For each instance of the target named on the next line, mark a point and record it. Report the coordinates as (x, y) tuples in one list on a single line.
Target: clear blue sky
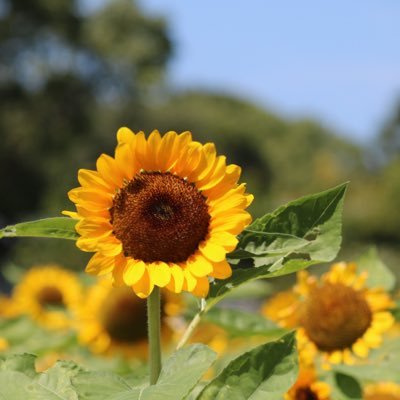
[(338, 61)]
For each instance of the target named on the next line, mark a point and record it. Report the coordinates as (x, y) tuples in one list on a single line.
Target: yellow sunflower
[(308, 387), (48, 294), (337, 315), (163, 212), (113, 320), (382, 391)]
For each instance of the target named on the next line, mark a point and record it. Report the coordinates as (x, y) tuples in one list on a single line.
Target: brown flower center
[(159, 217), (335, 316), (50, 296), (305, 393), (123, 316)]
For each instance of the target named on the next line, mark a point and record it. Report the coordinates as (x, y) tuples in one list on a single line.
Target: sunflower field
[(182, 297)]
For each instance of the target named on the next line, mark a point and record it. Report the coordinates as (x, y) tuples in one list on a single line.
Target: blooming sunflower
[(308, 387), (113, 320), (49, 294), (337, 315), (163, 212), (382, 391)]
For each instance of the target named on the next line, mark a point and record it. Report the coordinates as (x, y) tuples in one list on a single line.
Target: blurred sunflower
[(164, 212), (308, 387), (336, 315), (113, 320), (382, 391), (48, 294)]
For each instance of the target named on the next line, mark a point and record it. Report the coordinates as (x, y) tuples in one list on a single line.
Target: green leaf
[(304, 232), (180, 373), (13, 386), (24, 363), (58, 228), (379, 275), (265, 372), (242, 323), (100, 385), (55, 383), (346, 387), (16, 373)]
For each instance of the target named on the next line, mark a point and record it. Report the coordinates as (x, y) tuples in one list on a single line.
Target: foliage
[(270, 366)]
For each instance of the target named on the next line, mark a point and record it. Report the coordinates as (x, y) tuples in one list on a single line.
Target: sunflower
[(382, 391), (48, 294), (337, 315), (163, 212), (113, 320), (308, 387)]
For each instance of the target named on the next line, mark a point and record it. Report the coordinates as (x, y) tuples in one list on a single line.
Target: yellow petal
[(224, 239), (159, 272), (125, 160), (109, 171), (92, 179), (165, 154), (212, 251), (199, 266), (71, 214), (100, 265), (177, 278), (233, 224), (190, 282), (335, 357), (111, 248), (125, 136), (144, 286), (202, 287), (222, 270), (133, 271), (360, 348), (210, 154)]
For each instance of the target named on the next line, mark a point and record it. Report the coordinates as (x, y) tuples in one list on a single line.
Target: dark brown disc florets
[(124, 316), (50, 296), (335, 316), (159, 217)]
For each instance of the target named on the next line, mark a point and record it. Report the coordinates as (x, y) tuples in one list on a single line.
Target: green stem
[(192, 326), (153, 317)]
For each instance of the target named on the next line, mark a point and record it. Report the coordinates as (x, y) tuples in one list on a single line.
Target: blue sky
[(337, 61)]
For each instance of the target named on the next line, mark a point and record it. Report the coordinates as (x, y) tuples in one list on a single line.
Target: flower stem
[(153, 318), (192, 326)]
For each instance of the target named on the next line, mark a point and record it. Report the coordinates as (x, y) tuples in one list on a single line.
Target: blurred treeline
[(69, 80)]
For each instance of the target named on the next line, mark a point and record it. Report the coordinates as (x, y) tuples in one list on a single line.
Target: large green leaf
[(265, 372), (180, 373), (55, 383), (13, 386), (58, 228), (24, 363), (242, 323), (16, 373), (101, 386), (303, 232), (379, 275)]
